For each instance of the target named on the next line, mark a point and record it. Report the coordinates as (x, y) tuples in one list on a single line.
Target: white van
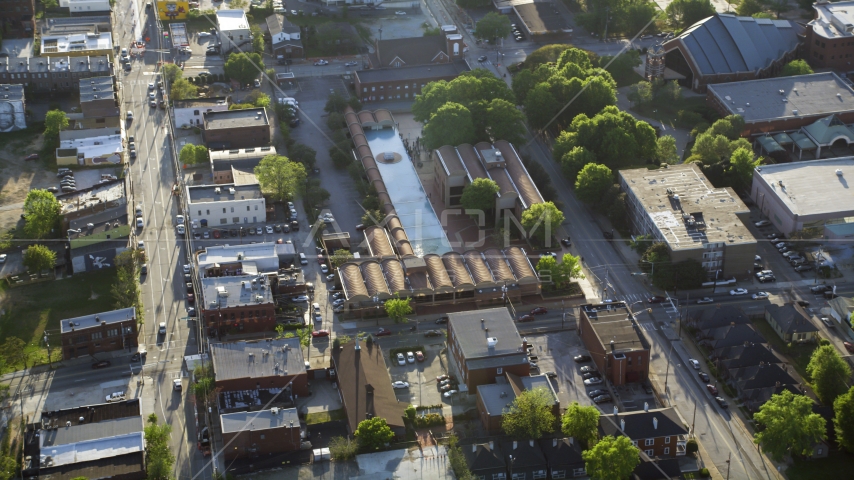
[(302, 259)]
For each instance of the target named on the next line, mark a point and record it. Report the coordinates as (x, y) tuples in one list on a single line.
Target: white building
[(221, 205), (254, 258), (78, 44), (191, 112), (12, 108), (90, 147), (85, 6), (233, 29)]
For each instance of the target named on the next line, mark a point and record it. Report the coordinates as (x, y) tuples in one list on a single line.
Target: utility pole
[(607, 17), (563, 313), (728, 458), (693, 419)]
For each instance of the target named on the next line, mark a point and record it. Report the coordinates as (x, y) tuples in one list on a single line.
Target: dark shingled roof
[(791, 318), (761, 376), (731, 335), (129, 466), (714, 317), (412, 51), (365, 385), (483, 457), (641, 424), (740, 356), (651, 471), (562, 452)]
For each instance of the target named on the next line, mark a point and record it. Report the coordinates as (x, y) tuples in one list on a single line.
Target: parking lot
[(421, 377)]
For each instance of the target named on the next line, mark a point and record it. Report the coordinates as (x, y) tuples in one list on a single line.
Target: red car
[(539, 311), (712, 389), (32, 156), (383, 332), (216, 234), (848, 346), (320, 333), (101, 364), (419, 356), (191, 298), (526, 318)]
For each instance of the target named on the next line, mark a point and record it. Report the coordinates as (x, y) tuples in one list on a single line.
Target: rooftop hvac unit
[(231, 190), (216, 190), (491, 342), (838, 172)]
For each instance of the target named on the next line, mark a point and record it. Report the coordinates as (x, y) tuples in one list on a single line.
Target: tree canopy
[(280, 178), (191, 154), (398, 309), (171, 72), (373, 433), (303, 154), (741, 166), (41, 213), (789, 425), (541, 220), (492, 27), (581, 423), (530, 415), (479, 195), (592, 182), (796, 67), (181, 89), (159, 457), (450, 125), (829, 374), (684, 13), (339, 257), (843, 420), (244, 67), (627, 17), (615, 138), (39, 257), (611, 458)]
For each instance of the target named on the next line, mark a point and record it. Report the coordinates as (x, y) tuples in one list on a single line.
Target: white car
[(181, 230), (115, 397), (760, 295), (151, 86), (399, 384), (176, 384), (705, 300), (338, 303), (351, 64), (204, 34), (321, 62), (593, 381), (179, 219), (337, 295), (2, 258), (300, 298), (762, 223), (269, 229), (187, 268), (324, 268), (315, 306), (400, 360), (152, 95), (328, 219), (410, 357), (694, 363), (400, 13), (162, 328), (449, 393), (330, 277), (140, 245), (139, 222), (738, 291)]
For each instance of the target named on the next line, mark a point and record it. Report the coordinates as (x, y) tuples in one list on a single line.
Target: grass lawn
[(666, 114), (822, 468), (30, 310), (325, 417), (630, 78), (798, 354)]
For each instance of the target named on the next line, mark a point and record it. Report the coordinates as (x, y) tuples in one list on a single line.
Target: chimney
[(491, 447), (554, 442), (645, 406), (474, 448), (531, 442), (481, 323), (655, 423), (515, 444), (623, 424), (616, 412), (357, 347), (571, 441), (777, 384)]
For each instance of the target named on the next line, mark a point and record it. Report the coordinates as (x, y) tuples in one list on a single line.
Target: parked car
[(526, 318), (826, 321), (590, 375), (704, 376), (432, 333), (481, 58), (587, 368), (449, 393), (712, 389), (694, 363), (820, 288), (320, 333), (101, 364), (593, 381), (115, 397), (705, 300), (760, 295), (399, 384), (539, 311), (803, 268), (419, 356), (299, 298), (321, 63), (581, 358), (721, 402), (401, 360), (383, 332), (762, 223), (441, 320), (848, 346), (410, 357), (602, 399)]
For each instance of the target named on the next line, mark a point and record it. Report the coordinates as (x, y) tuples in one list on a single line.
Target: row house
[(55, 74)]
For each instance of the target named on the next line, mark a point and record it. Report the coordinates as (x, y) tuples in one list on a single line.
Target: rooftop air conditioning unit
[(491, 342), (216, 190), (231, 190)]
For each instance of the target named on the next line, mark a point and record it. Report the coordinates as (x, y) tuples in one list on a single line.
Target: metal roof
[(64, 435), (257, 359), (260, 420), (470, 333), (89, 321), (814, 187)]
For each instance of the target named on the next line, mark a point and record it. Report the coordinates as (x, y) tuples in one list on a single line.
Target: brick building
[(679, 206), (54, 74), (99, 333), (17, 18), (268, 432), (659, 432), (829, 37), (98, 97), (494, 398), (257, 364), (237, 304), (284, 37), (236, 128), (483, 345), (615, 342), (223, 162)]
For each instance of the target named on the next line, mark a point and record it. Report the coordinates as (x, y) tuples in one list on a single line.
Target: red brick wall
[(81, 343), (390, 88), (618, 372), (299, 385), (659, 446), (277, 440), (823, 52), (239, 137), (253, 318)]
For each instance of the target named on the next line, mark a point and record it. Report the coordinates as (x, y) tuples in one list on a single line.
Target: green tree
[(748, 8), (182, 89), (492, 27), (504, 121), (341, 448), (843, 419), (541, 106), (41, 213), (339, 257), (473, 4), (581, 423), (335, 103), (544, 55), (640, 93), (741, 167), (829, 374), (796, 67), (667, 152), (530, 415), (574, 160), (279, 177), (611, 458), (54, 122), (303, 154), (13, 351), (257, 36), (171, 72), (779, 6), (49, 4), (788, 425), (125, 289), (592, 182), (159, 458), (541, 220), (547, 269), (39, 257), (373, 433), (450, 125), (398, 309), (571, 266), (479, 195), (684, 13), (257, 98), (191, 154), (244, 67), (372, 217)]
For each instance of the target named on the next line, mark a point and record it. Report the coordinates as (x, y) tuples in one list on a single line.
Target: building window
[(499, 476), (667, 450), (518, 476), (578, 472), (113, 332), (635, 443), (256, 207), (235, 220), (558, 474), (262, 437), (648, 453), (247, 208), (96, 335), (499, 371), (223, 221), (640, 360), (666, 439), (223, 210), (208, 212), (649, 442), (539, 475), (195, 112)]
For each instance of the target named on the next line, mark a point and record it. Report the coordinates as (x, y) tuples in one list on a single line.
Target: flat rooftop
[(78, 42), (819, 94), (613, 322), (11, 93), (812, 187), (540, 18), (69, 25), (241, 154), (92, 147), (257, 358), (231, 20), (98, 194), (179, 34), (225, 292), (96, 88), (408, 464), (708, 215), (259, 420), (223, 193), (242, 253), (94, 320), (236, 118), (90, 450), (410, 201), (418, 72), (199, 102), (90, 431), (471, 335), (833, 19), (90, 413)]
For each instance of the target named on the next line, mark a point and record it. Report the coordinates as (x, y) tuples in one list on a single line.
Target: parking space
[(421, 376), (554, 352), (318, 89)]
